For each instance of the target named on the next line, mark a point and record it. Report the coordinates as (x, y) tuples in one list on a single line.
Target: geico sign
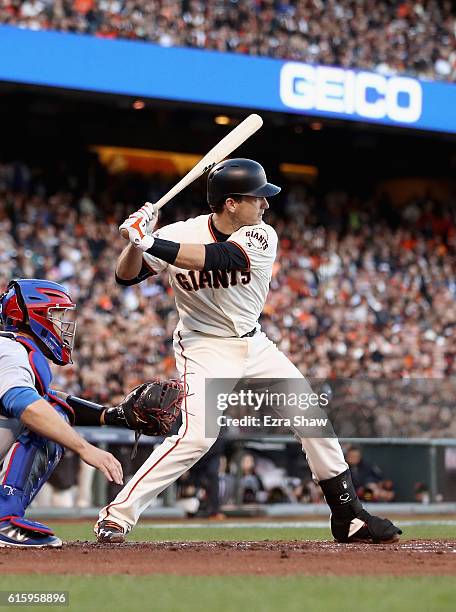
[(335, 90)]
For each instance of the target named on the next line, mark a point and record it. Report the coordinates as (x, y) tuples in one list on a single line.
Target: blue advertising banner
[(145, 70)]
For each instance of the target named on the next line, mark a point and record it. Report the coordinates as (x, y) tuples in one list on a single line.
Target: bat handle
[(124, 234)]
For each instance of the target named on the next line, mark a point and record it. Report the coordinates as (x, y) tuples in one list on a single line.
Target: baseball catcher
[(35, 421)]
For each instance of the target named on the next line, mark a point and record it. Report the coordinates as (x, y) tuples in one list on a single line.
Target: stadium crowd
[(359, 290), (417, 37)]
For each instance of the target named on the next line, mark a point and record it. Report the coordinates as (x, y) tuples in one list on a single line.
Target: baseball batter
[(220, 267)]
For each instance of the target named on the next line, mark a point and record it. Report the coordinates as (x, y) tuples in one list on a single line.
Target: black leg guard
[(349, 521)]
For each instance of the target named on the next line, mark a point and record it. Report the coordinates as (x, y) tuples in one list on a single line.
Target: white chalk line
[(281, 525)]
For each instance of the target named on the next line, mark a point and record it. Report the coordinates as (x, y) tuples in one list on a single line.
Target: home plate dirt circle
[(279, 558)]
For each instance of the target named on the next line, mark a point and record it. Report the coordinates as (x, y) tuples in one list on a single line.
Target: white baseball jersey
[(220, 303)]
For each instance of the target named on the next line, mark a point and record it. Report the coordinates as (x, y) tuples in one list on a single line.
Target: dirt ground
[(407, 558)]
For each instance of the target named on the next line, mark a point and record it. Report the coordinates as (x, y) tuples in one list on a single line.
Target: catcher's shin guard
[(27, 466), (16, 532), (349, 521)]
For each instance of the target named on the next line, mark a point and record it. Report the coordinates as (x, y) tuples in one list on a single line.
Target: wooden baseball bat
[(221, 150)]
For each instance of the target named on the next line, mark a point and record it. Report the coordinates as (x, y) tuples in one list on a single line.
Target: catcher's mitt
[(151, 408)]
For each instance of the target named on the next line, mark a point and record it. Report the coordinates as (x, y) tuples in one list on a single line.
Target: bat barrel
[(221, 150)]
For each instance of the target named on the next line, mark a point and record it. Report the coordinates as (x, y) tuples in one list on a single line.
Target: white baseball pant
[(200, 356)]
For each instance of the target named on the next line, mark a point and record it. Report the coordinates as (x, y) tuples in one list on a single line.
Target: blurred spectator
[(227, 483), (368, 479), (422, 494), (250, 485), (391, 37), (305, 491)]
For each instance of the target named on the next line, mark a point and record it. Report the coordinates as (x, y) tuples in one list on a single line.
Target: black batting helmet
[(238, 177)]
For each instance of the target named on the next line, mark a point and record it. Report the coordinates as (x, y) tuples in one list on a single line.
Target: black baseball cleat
[(365, 528), (108, 532)]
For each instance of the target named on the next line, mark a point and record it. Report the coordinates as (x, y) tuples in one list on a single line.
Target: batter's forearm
[(191, 257), (129, 263), (185, 256)]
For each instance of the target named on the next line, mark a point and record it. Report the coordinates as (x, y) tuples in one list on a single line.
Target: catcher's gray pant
[(10, 430), (199, 356)]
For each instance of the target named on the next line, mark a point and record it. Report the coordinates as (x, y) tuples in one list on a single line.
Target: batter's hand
[(103, 461), (139, 226)]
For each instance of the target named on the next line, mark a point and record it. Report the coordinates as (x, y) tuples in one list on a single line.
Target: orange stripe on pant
[(172, 448)]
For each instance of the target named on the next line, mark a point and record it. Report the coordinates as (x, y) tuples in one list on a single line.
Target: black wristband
[(166, 250)]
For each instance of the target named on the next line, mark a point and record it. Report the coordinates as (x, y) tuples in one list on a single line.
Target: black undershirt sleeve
[(218, 256), (85, 413), (89, 413), (144, 273), (225, 256)]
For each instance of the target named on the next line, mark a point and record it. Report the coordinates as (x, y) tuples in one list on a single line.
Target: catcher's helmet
[(238, 177), (38, 307)]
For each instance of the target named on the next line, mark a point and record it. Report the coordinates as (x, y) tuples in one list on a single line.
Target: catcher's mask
[(43, 309)]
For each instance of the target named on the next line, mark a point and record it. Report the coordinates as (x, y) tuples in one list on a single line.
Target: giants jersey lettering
[(220, 303)]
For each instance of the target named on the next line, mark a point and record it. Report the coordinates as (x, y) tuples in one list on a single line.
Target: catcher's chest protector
[(38, 363), (43, 375)]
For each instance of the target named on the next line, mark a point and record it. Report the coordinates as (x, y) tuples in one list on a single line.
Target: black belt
[(250, 333)]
